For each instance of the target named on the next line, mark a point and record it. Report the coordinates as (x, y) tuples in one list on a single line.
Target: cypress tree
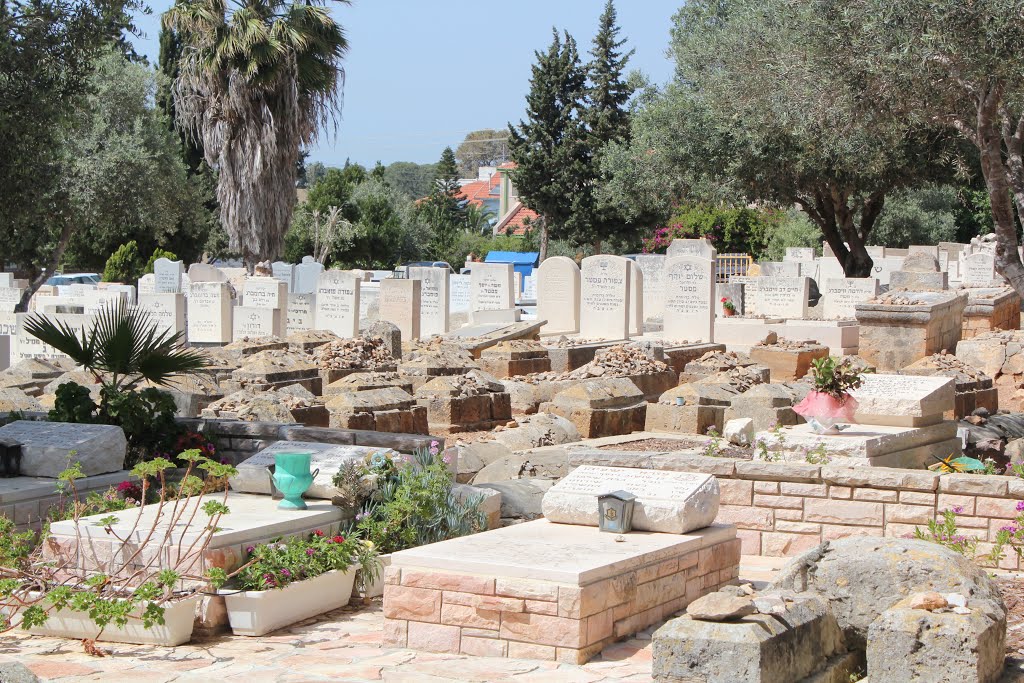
[(443, 209)]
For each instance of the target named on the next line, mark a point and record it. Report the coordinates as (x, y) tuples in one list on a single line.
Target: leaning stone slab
[(252, 474), (667, 502), (903, 400), (49, 448)]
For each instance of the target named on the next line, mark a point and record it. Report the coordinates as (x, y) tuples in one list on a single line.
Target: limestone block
[(763, 648), (903, 400), (685, 419), (49, 448), (918, 281), (907, 644), (739, 431), (668, 502), (787, 365)]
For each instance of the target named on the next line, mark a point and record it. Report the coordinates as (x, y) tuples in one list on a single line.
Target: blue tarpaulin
[(523, 262)]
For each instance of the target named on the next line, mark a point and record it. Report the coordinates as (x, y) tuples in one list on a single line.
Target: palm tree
[(479, 219), (256, 82), (122, 347)]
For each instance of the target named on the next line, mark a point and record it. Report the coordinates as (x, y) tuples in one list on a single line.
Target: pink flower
[(1020, 506), (311, 551), (958, 509)]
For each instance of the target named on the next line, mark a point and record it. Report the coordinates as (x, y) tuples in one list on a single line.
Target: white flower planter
[(179, 618), (253, 613), (376, 589)]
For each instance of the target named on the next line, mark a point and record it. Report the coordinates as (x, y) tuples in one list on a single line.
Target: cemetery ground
[(614, 470)]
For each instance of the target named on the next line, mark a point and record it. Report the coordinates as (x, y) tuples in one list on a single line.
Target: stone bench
[(541, 590)]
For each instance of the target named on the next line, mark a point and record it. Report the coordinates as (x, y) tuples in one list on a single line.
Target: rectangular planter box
[(179, 617), (254, 613)]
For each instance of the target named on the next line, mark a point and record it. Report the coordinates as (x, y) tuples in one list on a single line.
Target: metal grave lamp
[(616, 511), (10, 458)]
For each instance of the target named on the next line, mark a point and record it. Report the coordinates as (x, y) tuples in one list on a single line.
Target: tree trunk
[(51, 267), (989, 141), (597, 247), (543, 241)]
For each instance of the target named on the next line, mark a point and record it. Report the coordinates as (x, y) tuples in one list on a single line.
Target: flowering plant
[(947, 533), (728, 305), (275, 565)]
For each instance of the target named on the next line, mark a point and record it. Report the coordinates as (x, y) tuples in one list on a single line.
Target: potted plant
[(291, 580), (728, 307), (143, 595), (830, 402), (404, 503)]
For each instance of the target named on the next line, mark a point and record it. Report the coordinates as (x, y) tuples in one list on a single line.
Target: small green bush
[(123, 265)]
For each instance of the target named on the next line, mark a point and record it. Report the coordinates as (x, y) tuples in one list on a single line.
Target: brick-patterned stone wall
[(1000, 312), (437, 611), (783, 509)]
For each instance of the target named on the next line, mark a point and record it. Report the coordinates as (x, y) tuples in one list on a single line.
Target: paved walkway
[(344, 645)]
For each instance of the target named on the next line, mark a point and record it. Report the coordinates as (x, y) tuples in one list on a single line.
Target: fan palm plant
[(256, 82), (122, 347)]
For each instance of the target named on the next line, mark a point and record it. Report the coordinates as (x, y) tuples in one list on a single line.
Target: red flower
[(338, 539), (318, 533)]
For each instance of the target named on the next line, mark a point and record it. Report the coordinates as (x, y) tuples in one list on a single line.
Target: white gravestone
[(285, 272), (491, 287), (699, 247), (979, 270), (458, 294), (255, 321), (604, 297), (930, 250), (530, 288), (666, 501), (799, 254), (751, 286), (209, 313), (10, 297), (147, 284), (265, 292), (337, 303), (558, 295), (28, 346), (253, 477), (400, 304), (167, 275), (653, 268), (841, 296), (49, 448), (306, 275), (166, 310), (300, 313), (204, 272), (689, 299), (369, 302), (636, 299), (903, 400), (780, 268), (434, 299), (783, 297)]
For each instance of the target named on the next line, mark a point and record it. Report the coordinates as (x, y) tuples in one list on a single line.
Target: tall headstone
[(689, 299), (979, 270), (604, 297), (167, 274), (558, 295), (530, 288), (636, 299), (306, 275), (369, 301), (434, 299), (699, 247), (209, 313), (166, 310), (931, 250), (285, 272), (204, 272), (491, 287), (783, 297), (257, 321), (841, 296), (653, 268), (147, 284), (337, 303), (400, 304), (265, 292), (300, 313), (458, 294), (10, 297), (780, 268)]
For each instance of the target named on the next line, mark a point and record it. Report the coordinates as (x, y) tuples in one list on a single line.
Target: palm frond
[(62, 337)]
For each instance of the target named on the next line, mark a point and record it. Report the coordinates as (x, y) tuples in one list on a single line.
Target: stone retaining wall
[(783, 509)]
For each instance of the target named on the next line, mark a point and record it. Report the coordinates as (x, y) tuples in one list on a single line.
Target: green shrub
[(794, 229), (275, 565), (730, 230), (123, 265), (158, 253)]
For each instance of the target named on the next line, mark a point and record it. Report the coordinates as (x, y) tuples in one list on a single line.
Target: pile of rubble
[(473, 383), (274, 405), (950, 366), (615, 361), (895, 299), (564, 342), (783, 344), (344, 354)]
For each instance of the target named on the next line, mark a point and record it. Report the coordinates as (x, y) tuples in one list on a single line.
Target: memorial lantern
[(616, 511)]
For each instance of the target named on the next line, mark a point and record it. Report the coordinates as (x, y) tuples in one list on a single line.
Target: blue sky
[(423, 73)]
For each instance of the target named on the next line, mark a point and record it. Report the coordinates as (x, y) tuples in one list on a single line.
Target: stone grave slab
[(698, 247), (167, 275), (558, 295), (285, 272), (252, 474), (841, 296), (337, 303), (868, 445), (667, 502), (166, 310), (209, 312), (548, 591), (689, 311), (782, 297), (604, 297), (399, 303), (49, 448), (491, 287), (27, 500), (636, 299), (903, 400), (305, 275), (300, 314), (434, 299)]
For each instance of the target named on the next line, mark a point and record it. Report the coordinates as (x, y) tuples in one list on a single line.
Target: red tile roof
[(475, 192), (516, 221)]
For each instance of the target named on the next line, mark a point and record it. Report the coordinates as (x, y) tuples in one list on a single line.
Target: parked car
[(61, 279)]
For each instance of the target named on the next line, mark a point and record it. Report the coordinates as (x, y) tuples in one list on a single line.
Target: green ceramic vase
[(292, 478)]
